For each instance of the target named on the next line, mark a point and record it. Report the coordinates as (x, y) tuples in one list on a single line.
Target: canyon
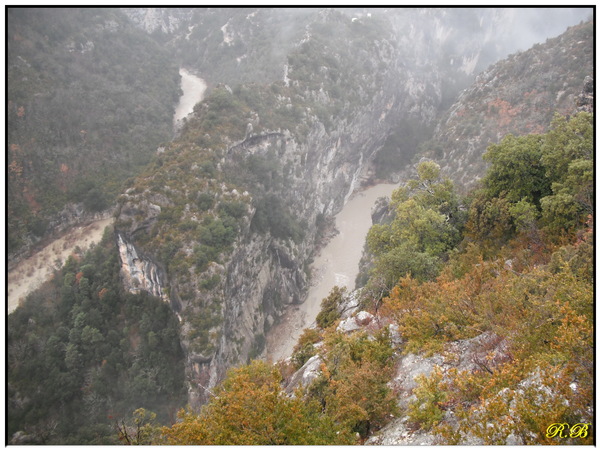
[(290, 125)]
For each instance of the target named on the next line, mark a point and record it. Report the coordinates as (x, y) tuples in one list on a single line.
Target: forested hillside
[(472, 322), (512, 275), (90, 98)]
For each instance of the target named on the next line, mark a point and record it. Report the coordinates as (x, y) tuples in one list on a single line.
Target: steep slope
[(224, 222), (518, 95), (90, 97), (268, 163), (222, 225)]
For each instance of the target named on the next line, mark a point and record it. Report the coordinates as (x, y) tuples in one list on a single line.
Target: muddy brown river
[(337, 264), (193, 92), (32, 272)]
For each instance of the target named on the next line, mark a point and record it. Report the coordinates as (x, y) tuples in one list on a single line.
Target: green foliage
[(490, 221), (426, 227), (90, 353), (353, 386), (140, 430), (540, 306), (426, 409), (304, 348), (568, 158), (568, 141), (536, 182), (90, 100), (516, 170), (330, 306), (205, 201), (273, 216)]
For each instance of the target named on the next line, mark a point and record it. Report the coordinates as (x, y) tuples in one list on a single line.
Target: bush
[(330, 313), (305, 348)]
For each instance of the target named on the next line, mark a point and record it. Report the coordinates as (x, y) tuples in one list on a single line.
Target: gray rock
[(306, 374)]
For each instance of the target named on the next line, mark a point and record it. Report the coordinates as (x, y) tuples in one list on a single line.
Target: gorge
[(240, 199), (31, 272), (335, 265)]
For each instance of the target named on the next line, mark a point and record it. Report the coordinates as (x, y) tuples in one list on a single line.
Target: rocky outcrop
[(165, 20), (585, 100), (305, 375), (518, 95), (327, 152), (138, 273), (484, 352)]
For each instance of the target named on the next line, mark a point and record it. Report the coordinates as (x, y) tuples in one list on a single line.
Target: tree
[(516, 170), (549, 176), (353, 386), (141, 430), (569, 162), (427, 225), (330, 307)]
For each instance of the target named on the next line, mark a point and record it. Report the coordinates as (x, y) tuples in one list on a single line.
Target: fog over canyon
[(190, 189)]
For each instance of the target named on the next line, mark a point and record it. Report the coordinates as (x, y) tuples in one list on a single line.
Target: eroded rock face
[(138, 273), (585, 100), (484, 352)]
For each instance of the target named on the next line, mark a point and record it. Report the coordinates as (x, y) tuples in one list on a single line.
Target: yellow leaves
[(15, 168), (250, 408)]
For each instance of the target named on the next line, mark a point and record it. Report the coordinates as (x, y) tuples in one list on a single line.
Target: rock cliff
[(231, 209), (518, 95)]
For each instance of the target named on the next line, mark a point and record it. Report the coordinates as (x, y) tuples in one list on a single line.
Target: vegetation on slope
[(518, 95), (528, 239), (528, 282), (82, 353), (90, 98), (210, 192)]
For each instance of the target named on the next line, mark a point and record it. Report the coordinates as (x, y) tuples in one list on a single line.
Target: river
[(337, 264), (30, 273), (193, 92)]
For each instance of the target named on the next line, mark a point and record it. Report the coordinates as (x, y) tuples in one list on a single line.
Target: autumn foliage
[(524, 275), (250, 408)]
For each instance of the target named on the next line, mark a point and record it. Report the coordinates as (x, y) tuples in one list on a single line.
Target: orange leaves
[(504, 110), (250, 408), (574, 337), (15, 168), (31, 201), (432, 313)]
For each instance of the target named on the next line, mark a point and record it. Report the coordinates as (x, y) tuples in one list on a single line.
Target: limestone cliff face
[(518, 95), (224, 222), (139, 273)]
